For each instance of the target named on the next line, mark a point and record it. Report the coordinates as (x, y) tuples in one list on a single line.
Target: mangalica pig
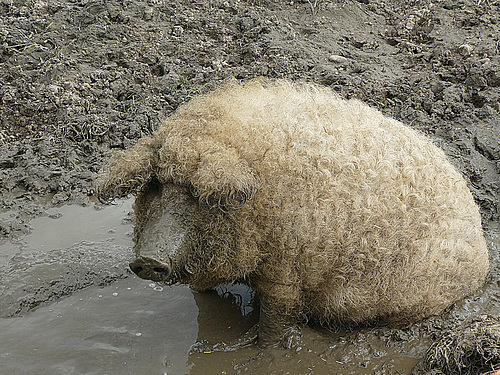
[(329, 210)]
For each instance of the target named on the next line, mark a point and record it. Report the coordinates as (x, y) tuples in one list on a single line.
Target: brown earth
[(81, 78)]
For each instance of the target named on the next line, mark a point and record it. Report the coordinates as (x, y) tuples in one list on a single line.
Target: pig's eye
[(153, 187)]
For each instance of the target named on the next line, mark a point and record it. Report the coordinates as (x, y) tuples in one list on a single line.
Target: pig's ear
[(224, 180), (128, 170)]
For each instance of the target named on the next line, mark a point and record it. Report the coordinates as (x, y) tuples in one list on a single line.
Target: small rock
[(337, 59), (148, 14), (465, 49), (177, 31)]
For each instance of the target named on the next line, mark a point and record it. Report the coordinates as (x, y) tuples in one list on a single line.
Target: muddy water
[(69, 306)]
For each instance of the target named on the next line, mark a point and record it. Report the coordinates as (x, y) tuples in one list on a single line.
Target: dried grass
[(473, 348)]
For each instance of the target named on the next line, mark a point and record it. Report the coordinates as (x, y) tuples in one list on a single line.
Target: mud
[(57, 258), (81, 78)]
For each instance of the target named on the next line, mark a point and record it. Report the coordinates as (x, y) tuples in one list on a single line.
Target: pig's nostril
[(136, 269), (150, 269), (161, 271), (137, 266)]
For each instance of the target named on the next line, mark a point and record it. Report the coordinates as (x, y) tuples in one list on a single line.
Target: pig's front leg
[(276, 326)]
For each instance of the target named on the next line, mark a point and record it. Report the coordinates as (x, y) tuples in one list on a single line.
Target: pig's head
[(185, 200), (164, 232)]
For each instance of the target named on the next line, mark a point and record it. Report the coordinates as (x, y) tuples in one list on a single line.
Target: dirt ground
[(81, 78)]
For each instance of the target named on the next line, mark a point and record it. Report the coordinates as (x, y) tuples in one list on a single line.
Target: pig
[(329, 210)]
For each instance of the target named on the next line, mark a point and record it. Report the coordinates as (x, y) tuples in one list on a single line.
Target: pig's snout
[(151, 269)]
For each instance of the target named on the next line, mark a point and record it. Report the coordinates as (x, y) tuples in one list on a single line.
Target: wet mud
[(81, 78)]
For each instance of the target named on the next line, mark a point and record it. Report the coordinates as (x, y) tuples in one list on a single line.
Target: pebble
[(465, 49), (338, 59)]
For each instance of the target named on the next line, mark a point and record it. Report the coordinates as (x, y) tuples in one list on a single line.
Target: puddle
[(123, 328), (110, 223), (62, 227), (69, 248), (68, 305)]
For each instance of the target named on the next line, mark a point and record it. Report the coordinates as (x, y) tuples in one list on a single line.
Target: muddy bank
[(80, 79)]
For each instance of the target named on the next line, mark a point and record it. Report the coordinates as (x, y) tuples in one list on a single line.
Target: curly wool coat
[(325, 207)]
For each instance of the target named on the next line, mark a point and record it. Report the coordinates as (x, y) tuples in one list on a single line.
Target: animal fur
[(328, 209)]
